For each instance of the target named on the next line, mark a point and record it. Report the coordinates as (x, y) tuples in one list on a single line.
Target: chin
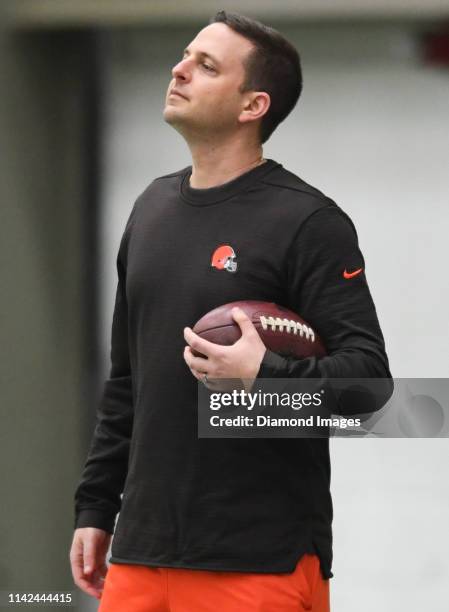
[(169, 114), (173, 116)]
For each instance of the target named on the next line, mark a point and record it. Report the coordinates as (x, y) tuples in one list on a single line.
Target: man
[(226, 524)]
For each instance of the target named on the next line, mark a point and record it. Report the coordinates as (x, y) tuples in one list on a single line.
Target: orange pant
[(139, 588)]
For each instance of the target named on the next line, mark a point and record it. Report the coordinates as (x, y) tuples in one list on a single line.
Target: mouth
[(177, 94)]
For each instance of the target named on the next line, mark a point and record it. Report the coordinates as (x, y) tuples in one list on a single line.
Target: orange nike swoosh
[(351, 274)]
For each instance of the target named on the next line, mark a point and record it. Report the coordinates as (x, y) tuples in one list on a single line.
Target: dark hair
[(272, 66)]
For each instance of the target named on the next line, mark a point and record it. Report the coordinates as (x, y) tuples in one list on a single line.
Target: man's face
[(209, 76)]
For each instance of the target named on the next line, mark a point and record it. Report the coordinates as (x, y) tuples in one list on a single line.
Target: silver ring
[(205, 379)]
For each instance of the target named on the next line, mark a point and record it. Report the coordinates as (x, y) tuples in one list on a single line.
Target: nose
[(181, 71)]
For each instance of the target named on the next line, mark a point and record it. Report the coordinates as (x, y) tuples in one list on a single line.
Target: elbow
[(388, 390), (384, 382), (370, 387)]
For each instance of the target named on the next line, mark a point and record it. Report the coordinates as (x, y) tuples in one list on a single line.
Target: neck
[(216, 163)]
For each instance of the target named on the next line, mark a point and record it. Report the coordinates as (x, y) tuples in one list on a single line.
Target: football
[(281, 330)]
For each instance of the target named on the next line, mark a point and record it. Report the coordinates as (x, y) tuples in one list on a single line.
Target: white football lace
[(290, 326)]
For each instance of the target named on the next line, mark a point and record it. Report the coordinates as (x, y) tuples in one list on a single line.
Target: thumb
[(242, 319), (89, 556)]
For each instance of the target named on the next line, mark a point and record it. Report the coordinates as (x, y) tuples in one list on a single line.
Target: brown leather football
[(281, 330)]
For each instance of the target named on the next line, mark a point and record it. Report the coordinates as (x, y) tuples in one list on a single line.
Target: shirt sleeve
[(98, 495), (328, 288)]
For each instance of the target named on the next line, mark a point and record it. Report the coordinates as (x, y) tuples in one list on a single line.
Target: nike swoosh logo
[(351, 274)]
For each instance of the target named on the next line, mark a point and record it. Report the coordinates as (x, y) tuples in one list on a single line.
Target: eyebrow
[(204, 54)]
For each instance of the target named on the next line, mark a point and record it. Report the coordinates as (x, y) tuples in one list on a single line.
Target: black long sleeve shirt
[(251, 505)]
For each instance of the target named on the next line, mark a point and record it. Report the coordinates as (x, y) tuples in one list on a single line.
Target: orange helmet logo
[(224, 258)]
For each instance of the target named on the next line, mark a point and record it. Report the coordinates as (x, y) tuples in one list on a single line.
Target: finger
[(98, 579), (88, 588), (210, 349), (80, 578), (199, 375), (195, 363), (103, 570), (84, 582), (244, 322), (211, 382), (89, 556), (77, 561)]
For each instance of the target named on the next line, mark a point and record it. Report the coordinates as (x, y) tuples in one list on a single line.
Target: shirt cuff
[(95, 518), (272, 365)]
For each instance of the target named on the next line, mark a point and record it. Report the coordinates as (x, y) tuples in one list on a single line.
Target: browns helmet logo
[(224, 258)]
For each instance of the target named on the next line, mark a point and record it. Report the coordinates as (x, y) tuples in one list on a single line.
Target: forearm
[(339, 307), (97, 498), (348, 365)]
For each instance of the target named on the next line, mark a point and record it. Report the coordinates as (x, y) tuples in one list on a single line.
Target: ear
[(256, 105)]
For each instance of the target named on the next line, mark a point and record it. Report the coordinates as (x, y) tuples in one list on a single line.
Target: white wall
[(371, 130)]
